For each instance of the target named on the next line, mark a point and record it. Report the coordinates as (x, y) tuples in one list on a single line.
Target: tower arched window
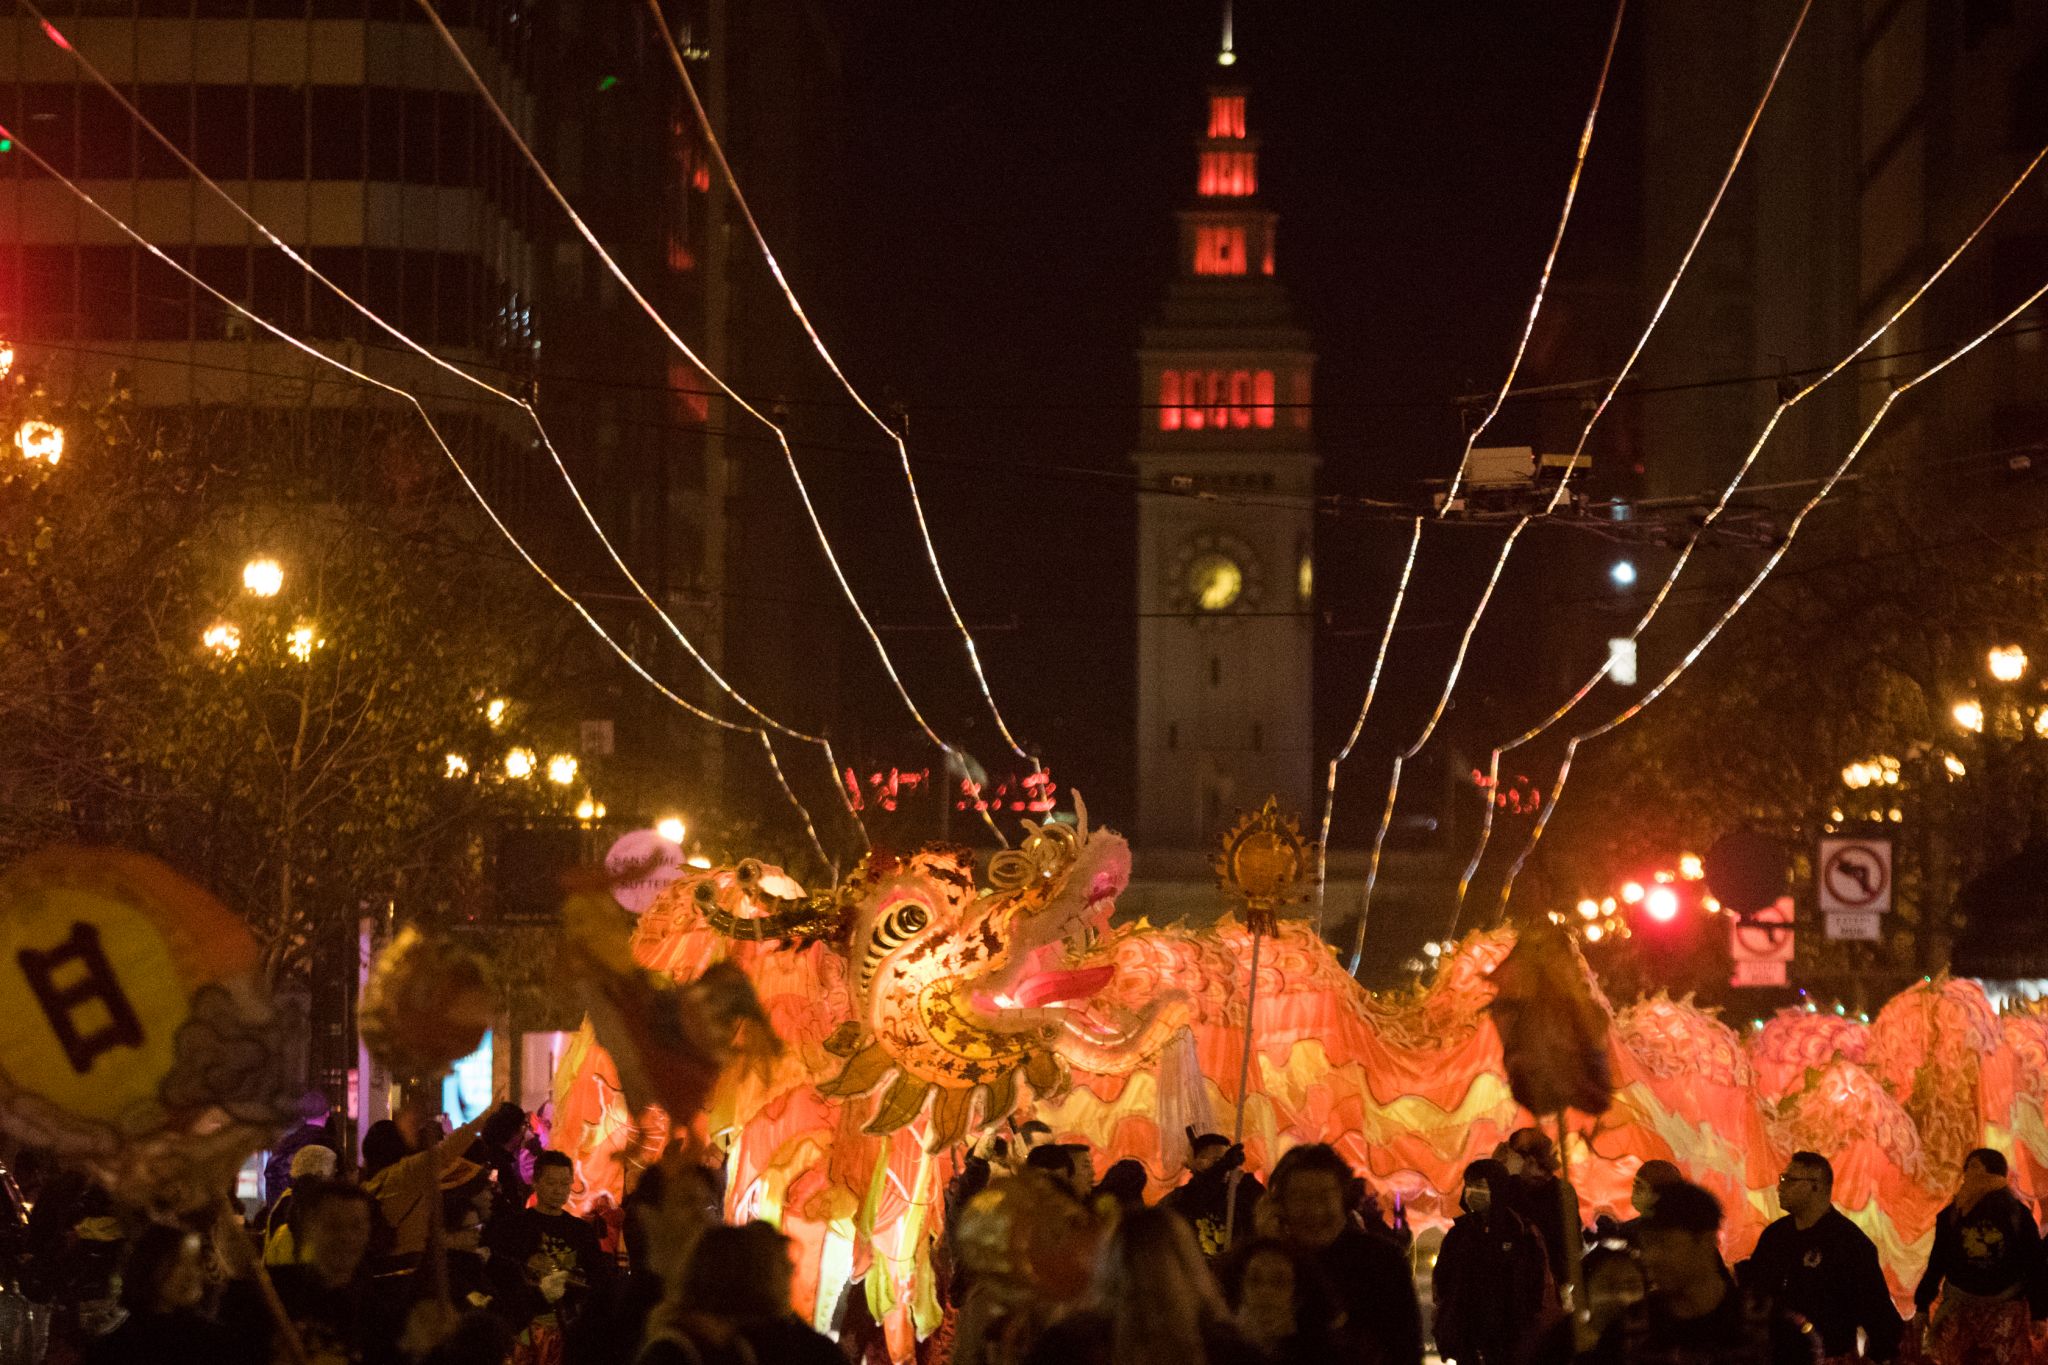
[(1262, 399), (1219, 400), (1229, 175), (1226, 116), (1194, 415), (1240, 398), (1219, 249), (1169, 400)]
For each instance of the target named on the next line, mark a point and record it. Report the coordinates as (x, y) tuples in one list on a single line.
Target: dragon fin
[(864, 1071), (948, 1124), (899, 1106), (998, 1098)]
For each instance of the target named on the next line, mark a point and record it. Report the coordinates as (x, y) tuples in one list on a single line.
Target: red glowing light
[(1229, 175), (50, 32), (1169, 400), (1661, 904), (1195, 400), (1262, 398), (1226, 116)]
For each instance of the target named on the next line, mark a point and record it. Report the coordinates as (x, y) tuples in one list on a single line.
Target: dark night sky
[(1012, 179)]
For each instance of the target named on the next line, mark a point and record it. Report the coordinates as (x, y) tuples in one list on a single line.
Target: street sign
[(1855, 926), (658, 862), (1855, 876), (1760, 945)]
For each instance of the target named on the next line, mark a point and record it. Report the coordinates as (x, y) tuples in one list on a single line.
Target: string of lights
[(1749, 590), (57, 39), (490, 99), (433, 430), (1728, 491), (796, 308), (1564, 482), (1571, 195)]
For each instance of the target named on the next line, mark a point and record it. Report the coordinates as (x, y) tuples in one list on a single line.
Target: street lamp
[(223, 638), (263, 577), (456, 765), (519, 764), (2008, 663), (1969, 715), (671, 828), (303, 640), (562, 769), (40, 441), (494, 711)]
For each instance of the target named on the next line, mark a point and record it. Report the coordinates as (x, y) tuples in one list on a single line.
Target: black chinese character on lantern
[(62, 1002)]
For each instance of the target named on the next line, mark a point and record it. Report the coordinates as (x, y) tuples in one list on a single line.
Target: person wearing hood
[(1972, 1301), (1492, 1279)]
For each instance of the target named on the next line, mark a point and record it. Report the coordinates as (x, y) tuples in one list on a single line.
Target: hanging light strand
[(1749, 590), (397, 334), (1713, 515), (612, 266), (1571, 194), (796, 308), (1564, 480), (314, 353)]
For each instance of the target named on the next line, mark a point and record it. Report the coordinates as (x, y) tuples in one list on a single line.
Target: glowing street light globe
[(224, 638), (456, 765), (1622, 573), (671, 829), (519, 764), (562, 769), (263, 577), (1969, 715), (2007, 663), (40, 441)]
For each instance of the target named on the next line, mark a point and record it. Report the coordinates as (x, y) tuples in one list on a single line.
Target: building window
[(1262, 399), (1219, 249), (1258, 737), (1297, 397), (1229, 175), (1226, 116), (1172, 734), (1241, 398), (1169, 400)]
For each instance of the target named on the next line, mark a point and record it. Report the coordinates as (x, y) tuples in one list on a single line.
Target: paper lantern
[(426, 1006)]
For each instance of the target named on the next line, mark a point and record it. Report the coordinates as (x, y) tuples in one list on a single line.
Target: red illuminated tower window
[(1262, 398), (1169, 400), (1229, 175), (1219, 249), (1241, 398), (1297, 394), (1226, 116)]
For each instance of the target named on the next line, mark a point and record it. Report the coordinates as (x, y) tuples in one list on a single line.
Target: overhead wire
[(1564, 482), (1564, 216), (796, 308), (1789, 401), (409, 344), (518, 140), (1898, 390), (397, 391)]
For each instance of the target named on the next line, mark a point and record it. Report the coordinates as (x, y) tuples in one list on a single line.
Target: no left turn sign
[(1855, 876)]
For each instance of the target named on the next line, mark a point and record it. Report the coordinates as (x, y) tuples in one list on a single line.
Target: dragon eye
[(899, 925)]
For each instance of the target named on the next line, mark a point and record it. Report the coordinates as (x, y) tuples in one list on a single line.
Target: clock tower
[(1227, 461)]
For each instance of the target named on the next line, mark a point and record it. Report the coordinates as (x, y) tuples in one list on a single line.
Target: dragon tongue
[(1046, 988)]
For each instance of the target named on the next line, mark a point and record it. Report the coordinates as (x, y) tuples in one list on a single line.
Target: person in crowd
[(1369, 1215), (326, 1294), (311, 1162), (1152, 1301), (665, 1213), (731, 1306), (1070, 1164), (1033, 1134), (1491, 1283), (1367, 1276), (316, 1128), (75, 1246), (1651, 1176), (1614, 1287), (499, 1148), (1818, 1264), (1971, 1303), (1546, 1202), (1279, 1302), (465, 1214), (1206, 1198), (1123, 1185), (163, 1284), (406, 1165), (546, 1261), (1695, 1313), (992, 1156)]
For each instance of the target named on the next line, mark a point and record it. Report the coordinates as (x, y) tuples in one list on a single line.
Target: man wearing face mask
[(1492, 1278)]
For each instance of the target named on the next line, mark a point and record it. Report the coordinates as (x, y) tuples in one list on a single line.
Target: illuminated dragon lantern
[(957, 993)]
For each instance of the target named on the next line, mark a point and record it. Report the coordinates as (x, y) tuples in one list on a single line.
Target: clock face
[(1214, 581), (1214, 574)]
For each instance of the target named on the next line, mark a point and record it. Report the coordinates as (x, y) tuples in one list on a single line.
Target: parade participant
[(1070, 1164), (1123, 1185), (732, 1306), (1818, 1264), (546, 1261), (1369, 1279), (1695, 1314), (326, 1295), (315, 1128), (407, 1165), (1206, 1197), (1152, 1302), (1986, 1250), (310, 1163), (1614, 1286), (1546, 1202), (163, 1283), (1033, 1134), (500, 1148), (1492, 1279)]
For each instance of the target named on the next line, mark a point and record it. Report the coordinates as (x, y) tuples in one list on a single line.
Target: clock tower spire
[(1227, 459)]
